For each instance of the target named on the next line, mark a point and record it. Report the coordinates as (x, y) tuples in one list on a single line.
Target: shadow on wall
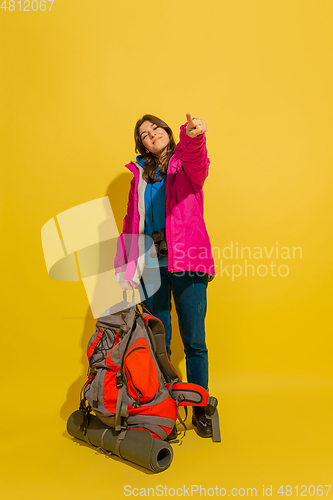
[(117, 193)]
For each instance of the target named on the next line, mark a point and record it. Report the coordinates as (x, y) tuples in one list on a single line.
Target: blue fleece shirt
[(155, 205)]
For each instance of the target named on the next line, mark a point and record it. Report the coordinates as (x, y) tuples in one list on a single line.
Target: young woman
[(166, 203)]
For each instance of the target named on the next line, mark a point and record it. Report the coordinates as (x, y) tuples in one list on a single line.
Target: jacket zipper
[(169, 235)]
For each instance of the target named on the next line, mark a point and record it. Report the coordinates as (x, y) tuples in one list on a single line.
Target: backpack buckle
[(211, 406), (179, 399), (119, 380)]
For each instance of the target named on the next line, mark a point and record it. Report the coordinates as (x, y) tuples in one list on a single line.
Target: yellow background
[(73, 83)]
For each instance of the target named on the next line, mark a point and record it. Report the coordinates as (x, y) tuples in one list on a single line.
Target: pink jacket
[(189, 247)]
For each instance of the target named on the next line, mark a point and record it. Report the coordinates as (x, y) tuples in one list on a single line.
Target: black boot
[(173, 434), (202, 423)]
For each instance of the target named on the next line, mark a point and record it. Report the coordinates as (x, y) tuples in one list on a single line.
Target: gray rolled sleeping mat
[(135, 445)]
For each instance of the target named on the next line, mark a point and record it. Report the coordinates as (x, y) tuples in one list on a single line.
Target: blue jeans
[(189, 290)]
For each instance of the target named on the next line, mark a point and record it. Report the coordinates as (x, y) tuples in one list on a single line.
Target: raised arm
[(192, 151)]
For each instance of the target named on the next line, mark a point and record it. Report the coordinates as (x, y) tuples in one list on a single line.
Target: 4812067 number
[(26, 5)]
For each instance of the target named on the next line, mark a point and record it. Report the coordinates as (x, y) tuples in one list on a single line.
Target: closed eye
[(155, 127)]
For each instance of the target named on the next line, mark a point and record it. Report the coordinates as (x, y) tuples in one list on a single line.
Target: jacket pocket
[(140, 371)]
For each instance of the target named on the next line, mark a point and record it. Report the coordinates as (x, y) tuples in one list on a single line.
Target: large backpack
[(128, 369)]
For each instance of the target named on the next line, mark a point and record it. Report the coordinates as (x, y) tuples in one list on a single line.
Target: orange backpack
[(128, 371)]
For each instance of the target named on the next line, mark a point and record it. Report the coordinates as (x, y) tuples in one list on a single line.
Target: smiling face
[(154, 138)]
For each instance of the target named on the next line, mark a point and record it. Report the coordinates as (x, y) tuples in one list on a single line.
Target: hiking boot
[(173, 434), (201, 422)]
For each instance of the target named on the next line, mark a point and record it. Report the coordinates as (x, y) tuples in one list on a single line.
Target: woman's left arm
[(192, 151)]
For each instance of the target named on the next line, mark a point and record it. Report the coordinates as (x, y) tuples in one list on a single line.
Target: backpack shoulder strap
[(157, 329)]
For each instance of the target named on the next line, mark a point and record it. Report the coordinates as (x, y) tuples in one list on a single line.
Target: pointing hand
[(195, 126)]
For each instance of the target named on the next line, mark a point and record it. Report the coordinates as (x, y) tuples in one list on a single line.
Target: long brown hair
[(151, 161)]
